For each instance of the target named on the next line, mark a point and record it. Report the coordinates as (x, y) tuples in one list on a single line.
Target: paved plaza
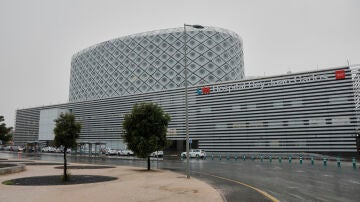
[(131, 184)]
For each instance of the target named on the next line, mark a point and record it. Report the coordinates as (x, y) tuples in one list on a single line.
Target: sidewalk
[(133, 184)]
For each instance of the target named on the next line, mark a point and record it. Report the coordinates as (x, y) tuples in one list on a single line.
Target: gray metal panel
[(313, 116)]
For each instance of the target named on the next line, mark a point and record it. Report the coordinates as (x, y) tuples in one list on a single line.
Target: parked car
[(157, 154), (195, 153), (111, 152), (16, 148), (7, 148), (125, 152), (61, 150), (48, 149), (20, 148)]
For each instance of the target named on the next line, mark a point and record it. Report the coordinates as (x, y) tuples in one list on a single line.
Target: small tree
[(145, 130), (5, 132), (66, 132)]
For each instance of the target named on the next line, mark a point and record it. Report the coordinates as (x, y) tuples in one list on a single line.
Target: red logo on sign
[(206, 90), (340, 74)]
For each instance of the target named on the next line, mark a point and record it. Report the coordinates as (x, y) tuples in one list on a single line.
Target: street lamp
[(186, 99)]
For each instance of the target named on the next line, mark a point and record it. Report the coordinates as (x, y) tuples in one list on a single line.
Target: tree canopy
[(5, 132), (145, 129), (66, 132)]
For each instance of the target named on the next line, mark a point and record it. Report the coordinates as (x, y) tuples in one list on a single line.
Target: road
[(249, 180)]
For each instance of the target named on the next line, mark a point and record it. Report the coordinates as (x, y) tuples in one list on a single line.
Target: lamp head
[(195, 26), (198, 26)]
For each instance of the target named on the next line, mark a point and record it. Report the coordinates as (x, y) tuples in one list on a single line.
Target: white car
[(157, 154), (7, 148), (125, 152), (111, 152), (48, 149), (195, 153)]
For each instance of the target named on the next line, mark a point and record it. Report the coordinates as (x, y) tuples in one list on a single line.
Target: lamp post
[(186, 98)]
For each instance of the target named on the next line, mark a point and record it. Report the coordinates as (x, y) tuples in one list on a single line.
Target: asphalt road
[(240, 180), (295, 182)]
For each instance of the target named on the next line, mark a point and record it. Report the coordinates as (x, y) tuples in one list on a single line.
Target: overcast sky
[(38, 37)]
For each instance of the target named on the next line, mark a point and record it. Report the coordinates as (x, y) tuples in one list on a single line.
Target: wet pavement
[(284, 181)]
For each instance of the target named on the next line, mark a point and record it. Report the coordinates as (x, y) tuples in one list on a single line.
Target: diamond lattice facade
[(154, 61)]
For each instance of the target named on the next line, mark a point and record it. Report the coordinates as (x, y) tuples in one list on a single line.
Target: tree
[(145, 130), (5, 132), (66, 132)]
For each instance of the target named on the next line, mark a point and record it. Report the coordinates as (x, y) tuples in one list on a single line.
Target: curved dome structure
[(154, 61)]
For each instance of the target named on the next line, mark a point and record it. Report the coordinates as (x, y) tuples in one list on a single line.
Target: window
[(256, 124), (278, 104), (317, 121), (205, 110), (341, 120), (236, 108), (274, 123), (295, 123), (306, 122), (239, 125), (337, 100), (220, 125), (171, 131), (266, 124), (296, 103)]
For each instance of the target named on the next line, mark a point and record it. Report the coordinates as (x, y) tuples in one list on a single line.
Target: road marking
[(297, 196), (246, 185), (353, 181)]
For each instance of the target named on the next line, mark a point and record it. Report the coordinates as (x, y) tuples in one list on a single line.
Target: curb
[(12, 168)]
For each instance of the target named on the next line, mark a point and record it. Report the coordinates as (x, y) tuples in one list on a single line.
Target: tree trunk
[(65, 167), (148, 163)]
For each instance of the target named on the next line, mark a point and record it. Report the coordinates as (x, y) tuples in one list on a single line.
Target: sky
[(39, 37)]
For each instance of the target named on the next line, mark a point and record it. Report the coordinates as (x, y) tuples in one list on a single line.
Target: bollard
[(252, 158), (212, 157), (324, 162), (300, 160), (289, 159), (244, 158), (338, 162), (227, 157), (261, 158), (236, 158), (279, 159), (220, 157), (270, 159), (354, 163), (312, 160)]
